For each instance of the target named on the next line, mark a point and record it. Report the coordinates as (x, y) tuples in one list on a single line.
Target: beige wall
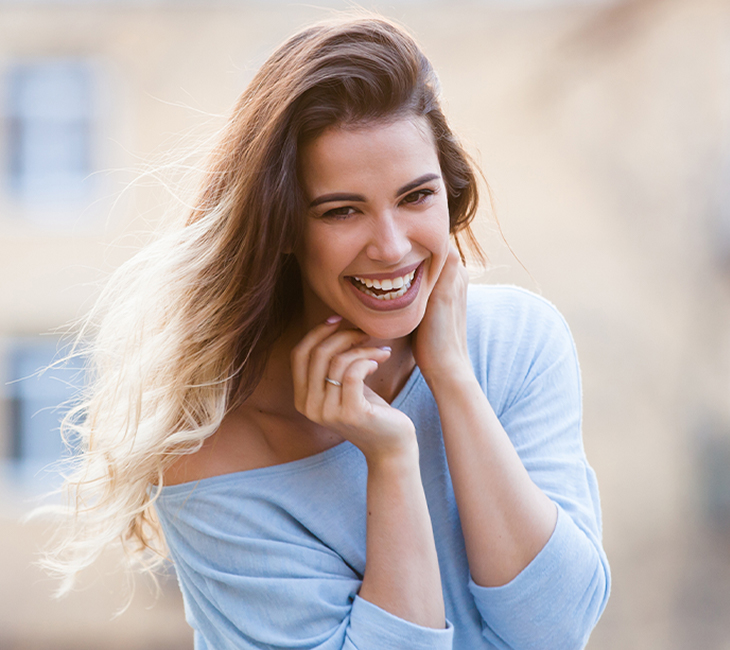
[(602, 133)]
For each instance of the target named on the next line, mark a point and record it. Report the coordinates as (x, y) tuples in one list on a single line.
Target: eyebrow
[(328, 198)]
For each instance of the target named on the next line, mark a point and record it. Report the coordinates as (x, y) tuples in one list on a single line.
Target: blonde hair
[(182, 331)]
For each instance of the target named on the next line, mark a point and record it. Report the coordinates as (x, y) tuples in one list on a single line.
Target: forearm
[(505, 517), (402, 573)]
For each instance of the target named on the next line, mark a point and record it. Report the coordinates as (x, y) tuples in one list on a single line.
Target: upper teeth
[(389, 283)]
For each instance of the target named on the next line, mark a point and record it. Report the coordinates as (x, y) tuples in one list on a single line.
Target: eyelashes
[(419, 196), (339, 213)]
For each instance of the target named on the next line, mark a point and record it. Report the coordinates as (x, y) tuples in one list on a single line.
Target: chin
[(391, 328)]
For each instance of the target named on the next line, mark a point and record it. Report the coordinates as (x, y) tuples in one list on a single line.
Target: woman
[(346, 446)]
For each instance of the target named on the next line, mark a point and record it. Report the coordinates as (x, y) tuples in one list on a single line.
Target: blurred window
[(49, 124), (38, 400)]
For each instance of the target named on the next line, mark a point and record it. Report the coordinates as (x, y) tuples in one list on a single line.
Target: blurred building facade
[(604, 130)]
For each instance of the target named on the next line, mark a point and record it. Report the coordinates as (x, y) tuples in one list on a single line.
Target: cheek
[(321, 259), (310, 252)]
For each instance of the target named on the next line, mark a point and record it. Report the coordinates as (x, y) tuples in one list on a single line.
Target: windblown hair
[(182, 332)]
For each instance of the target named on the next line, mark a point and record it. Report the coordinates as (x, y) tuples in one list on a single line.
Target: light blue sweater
[(272, 558)]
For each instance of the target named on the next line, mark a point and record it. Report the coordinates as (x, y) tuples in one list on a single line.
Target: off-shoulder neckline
[(301, 464)]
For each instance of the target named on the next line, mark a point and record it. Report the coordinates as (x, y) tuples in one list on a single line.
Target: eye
[(339, 213), (417, 197)]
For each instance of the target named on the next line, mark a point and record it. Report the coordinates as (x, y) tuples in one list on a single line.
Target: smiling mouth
[(388, 289)]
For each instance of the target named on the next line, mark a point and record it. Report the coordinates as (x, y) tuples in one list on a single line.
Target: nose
[(389, 241)]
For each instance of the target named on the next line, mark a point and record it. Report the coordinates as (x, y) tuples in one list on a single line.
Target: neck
[(390, 377)]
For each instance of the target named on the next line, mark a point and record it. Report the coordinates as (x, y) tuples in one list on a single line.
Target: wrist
[(394, 461), (450, 374)]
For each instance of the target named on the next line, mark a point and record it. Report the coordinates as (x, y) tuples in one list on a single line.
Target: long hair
[(182, 332)]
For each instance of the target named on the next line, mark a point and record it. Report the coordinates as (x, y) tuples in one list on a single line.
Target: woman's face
[(376, 232)]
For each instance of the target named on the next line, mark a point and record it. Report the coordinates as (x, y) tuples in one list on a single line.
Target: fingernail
[(387, 348), (374, 361), (333, 319)]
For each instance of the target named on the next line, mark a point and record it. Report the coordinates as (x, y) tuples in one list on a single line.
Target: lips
[(388, 292)]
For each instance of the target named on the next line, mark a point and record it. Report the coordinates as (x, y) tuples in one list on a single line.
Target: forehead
[(377, 154)]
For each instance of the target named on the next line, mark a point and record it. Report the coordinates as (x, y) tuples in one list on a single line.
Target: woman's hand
[(353, 410), (439, 343)]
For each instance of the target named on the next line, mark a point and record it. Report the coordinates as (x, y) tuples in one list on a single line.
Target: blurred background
[(604, 131)]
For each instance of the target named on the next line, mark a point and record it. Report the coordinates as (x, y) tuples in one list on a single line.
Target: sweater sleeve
[(555, 602), (272, 584)]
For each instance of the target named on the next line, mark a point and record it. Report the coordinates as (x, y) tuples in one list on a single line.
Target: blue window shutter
[(39, 400), (50, 117)]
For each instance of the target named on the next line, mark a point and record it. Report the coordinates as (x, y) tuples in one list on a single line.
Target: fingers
[(452, 279), (353, 367), (325, 352), (454, 255), (324, 399), (352, 399), (453, 265), (322, 355), (340, 363), (311, 363), (300, 355)]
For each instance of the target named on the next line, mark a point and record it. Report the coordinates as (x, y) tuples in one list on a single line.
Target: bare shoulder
[(239, 444)]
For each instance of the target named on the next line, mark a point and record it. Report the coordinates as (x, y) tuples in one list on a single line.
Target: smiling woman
[(378, 215), (299, 399)]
